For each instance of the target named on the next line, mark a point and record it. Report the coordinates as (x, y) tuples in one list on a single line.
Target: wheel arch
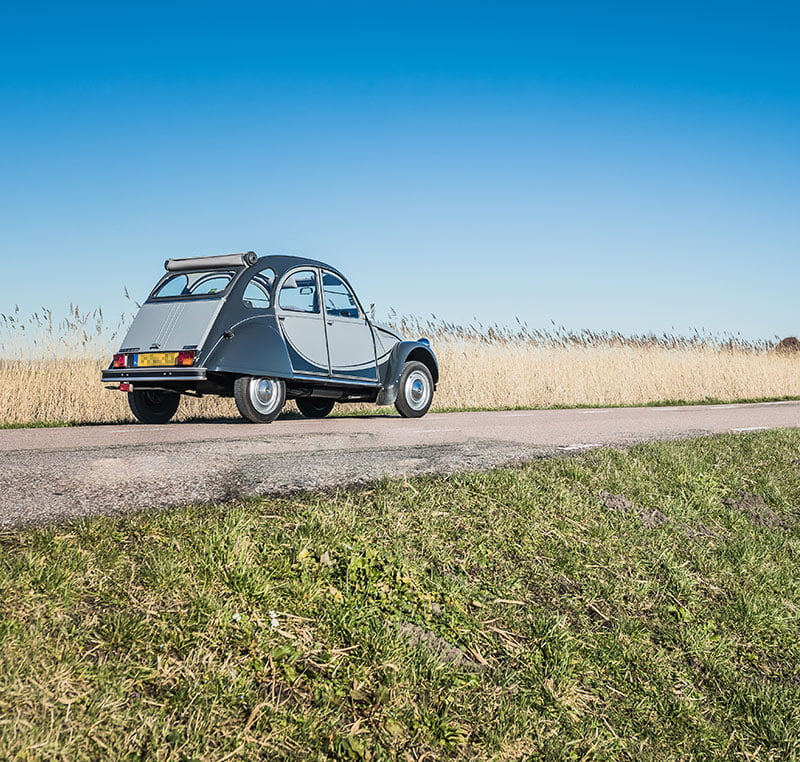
[(402, 353), (424, 355)]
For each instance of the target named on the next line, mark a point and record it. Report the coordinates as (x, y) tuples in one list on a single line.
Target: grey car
[(263, 330)]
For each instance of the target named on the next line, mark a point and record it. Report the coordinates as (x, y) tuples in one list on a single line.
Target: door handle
[(329, 322), (281, 317)]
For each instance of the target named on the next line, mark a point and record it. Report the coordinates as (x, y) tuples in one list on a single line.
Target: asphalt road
[(61, 474)]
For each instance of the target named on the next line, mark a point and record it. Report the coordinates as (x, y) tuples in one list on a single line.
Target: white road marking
[(520, 415), (137, 429), (584, 446), (594, 412), (752, 428), (428, 431)]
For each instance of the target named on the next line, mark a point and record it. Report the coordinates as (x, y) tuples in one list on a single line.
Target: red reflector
[(185, 358), (125, 387), (119, 361)]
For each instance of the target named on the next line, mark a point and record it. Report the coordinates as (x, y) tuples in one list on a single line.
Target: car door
[(351, 346), (300, 317)]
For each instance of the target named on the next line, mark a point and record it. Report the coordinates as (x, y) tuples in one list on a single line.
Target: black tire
[(151, 406), (259, 400), (415, 390), (314, 407)]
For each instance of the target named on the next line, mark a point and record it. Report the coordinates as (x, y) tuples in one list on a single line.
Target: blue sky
[(630, 167)]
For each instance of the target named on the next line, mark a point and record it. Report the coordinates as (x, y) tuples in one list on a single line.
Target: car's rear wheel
[(314, 407), (415, 390), (259, 399), (153, 406)]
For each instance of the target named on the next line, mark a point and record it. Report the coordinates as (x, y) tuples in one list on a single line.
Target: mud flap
[(387, 395)]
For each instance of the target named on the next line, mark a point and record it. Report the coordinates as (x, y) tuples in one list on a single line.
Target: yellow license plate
[(153, 359)]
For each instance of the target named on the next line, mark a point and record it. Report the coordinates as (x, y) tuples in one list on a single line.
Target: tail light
[(119, 361), (185, 358)]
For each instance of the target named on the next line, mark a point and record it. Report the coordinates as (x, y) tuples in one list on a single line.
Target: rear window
[(195, 284)]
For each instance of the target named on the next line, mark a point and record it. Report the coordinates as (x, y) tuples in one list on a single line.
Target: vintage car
[(263, 330)]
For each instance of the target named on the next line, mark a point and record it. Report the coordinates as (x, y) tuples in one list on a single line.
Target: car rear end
[(166, 345)]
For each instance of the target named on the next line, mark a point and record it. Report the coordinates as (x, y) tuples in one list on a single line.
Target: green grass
[(658, 403), (281, 628), (50, 424), (349, 411)]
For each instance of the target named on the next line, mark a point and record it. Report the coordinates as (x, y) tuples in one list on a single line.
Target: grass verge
[(635, 604)]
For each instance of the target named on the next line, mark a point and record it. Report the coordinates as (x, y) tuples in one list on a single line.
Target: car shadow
[(290, 416)]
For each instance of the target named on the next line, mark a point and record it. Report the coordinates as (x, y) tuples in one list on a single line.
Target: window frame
[(270, 292), (290, 274), (350, 291), (181, 297)]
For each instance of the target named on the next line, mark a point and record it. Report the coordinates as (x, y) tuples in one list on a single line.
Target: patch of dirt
[(444, 652), (788, 345), (651, 518), (756, 509)]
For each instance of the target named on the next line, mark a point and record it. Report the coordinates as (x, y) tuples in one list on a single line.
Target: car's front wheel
[(415, 390), (259, 399), (152, 406), (314, 407)]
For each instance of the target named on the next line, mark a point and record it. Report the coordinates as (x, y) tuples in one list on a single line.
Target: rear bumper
[(134, 375)]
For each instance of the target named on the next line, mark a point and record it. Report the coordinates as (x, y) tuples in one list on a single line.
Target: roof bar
[(210, 263)]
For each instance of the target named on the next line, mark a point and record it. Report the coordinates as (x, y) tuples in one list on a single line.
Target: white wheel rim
[(417, 390), (265, 395)]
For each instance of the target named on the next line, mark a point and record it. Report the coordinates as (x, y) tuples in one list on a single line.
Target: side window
[(256, 293), (339, 301), (299, 292)]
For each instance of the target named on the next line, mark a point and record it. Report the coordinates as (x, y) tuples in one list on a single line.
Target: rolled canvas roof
[(206, 263)]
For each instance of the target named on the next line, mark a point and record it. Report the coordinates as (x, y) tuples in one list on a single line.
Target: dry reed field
[(50, 369)]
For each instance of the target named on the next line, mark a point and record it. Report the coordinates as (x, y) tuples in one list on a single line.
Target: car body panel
[(351, 348), (385, 341), (172, 325), (305, 340), (335, 349), (252, 347)]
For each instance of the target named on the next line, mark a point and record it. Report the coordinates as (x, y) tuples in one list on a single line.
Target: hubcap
[(417, 390), (264, 394)]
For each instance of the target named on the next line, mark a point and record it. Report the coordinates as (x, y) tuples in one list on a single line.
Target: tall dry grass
[(50, 369)]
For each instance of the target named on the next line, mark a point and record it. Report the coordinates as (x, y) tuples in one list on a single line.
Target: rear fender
[(253, 347), (403, 352)]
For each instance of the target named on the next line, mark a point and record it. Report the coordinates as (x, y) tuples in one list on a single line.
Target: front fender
[(404, 352), (254, 347)]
